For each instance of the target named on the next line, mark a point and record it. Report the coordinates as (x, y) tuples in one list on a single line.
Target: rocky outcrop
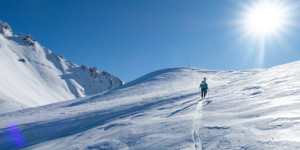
[(84, 68), (94, 72), (113, 81), (22, 60), (104, 77), (5, 29), (29, 40)]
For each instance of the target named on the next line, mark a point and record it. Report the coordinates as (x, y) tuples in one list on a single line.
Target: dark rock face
[(29, 40), (104, 77), (94, 72), (84, 68), (110, 84), (113, 81), (5, 27), (104, 73), (22, 60)]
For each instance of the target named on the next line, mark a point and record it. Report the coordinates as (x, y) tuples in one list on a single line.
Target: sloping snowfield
[(255, 109)]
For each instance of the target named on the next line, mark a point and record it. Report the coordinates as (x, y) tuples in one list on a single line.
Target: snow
[(258, 111), (253, 109), (32, 75), (5, 29)]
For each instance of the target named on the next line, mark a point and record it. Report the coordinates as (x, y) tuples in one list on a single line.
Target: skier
[(204, 88)]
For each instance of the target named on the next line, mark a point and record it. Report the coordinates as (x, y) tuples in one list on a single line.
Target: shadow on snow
[(39, 132)]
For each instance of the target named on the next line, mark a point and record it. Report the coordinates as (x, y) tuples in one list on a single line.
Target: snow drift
[(254, 109), (32, 75)]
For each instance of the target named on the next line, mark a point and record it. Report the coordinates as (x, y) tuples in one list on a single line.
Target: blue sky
[(130, 38)]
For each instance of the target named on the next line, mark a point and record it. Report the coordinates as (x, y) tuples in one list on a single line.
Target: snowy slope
[(255, 109), (32, 75)]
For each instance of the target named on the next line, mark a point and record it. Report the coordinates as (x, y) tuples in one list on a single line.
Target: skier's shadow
[(207, 102), (184, 108)]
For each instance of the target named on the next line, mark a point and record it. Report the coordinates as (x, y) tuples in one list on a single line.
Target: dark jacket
[(203, 85)]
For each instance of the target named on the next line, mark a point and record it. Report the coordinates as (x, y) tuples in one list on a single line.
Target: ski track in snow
[(255, 109)]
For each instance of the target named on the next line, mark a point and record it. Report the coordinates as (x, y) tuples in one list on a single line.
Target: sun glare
[(265, 18), (265, 23)]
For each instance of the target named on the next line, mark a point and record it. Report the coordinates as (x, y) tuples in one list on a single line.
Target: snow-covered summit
[(32, 75), (5, 29)]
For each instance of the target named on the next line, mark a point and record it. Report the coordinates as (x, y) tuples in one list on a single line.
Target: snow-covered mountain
[(254, 109), (32, 75)]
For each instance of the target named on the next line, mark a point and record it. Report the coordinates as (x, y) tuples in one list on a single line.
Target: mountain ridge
[(38, 76)]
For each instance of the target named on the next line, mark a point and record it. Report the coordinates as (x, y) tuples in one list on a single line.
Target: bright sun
[(265, 23), (265, 18)]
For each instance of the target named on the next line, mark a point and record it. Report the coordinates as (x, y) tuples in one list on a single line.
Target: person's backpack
[(202, 85)]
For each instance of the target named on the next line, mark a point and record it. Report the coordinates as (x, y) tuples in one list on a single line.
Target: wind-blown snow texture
[(32, 75), (255, 109)]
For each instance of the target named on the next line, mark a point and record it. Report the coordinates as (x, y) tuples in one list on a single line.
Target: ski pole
[(207, 93)]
